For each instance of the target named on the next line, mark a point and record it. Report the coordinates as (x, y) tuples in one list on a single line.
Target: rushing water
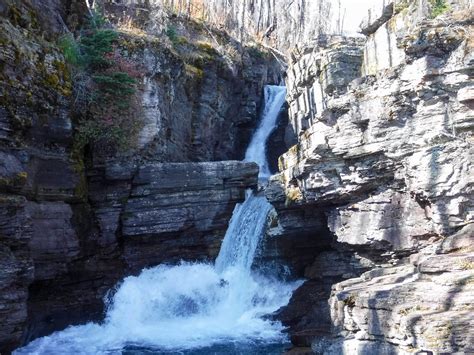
[(274, 99), (195, 308)]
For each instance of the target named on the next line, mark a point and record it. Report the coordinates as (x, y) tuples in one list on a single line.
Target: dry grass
[(129, 27), (293, 194)]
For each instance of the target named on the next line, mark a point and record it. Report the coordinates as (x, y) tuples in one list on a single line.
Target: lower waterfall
[(183, 308)]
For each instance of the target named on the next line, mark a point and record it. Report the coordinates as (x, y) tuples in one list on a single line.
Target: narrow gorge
[(236, 177)]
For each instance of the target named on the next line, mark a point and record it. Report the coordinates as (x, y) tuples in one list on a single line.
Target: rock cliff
[(384, 160)]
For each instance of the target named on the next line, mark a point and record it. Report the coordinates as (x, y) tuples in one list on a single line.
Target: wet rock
[(16, 269), (308, 313), (281, 139), (299, 351)]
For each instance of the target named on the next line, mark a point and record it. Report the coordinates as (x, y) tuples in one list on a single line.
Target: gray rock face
[(16, 268), (425, 307), (387, 26), (386, 161), (317, 72), (170, 211), (204, 116), (387, 147)]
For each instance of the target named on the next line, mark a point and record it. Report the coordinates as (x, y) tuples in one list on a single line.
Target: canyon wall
[(384, 160)]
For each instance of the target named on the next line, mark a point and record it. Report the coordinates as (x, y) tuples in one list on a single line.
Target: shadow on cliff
[(453, 332), (377, 325)]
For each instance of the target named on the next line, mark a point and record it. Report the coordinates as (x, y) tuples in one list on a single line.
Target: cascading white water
[(246, 225), (274, 97), (193, 305)]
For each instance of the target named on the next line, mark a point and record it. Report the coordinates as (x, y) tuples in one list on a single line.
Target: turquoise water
[(223, 349)]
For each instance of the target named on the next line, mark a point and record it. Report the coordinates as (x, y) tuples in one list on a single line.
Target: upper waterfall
[(274, 97)]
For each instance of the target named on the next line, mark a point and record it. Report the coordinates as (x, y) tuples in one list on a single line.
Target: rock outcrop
[(423, 306), (139, 216), (167, 212), (384, 159), (16, 268), (200, 89)]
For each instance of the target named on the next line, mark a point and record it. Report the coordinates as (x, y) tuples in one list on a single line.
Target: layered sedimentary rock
[(373, 205), (199, 103), (200, 88), (35, 132), (167, 212), (424, 305), (386, 25), (386, 161), (16, 268)]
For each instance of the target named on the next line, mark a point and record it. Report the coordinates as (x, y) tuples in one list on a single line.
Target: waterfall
[(274, 97), (194, 305), (245, 229), (249, 219)]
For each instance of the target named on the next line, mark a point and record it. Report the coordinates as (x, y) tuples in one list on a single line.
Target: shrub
[(70, 49), (105, 88), (401, 5), (438, 7), (172, 33), (102, 133), (293, 194), (96, 46), (206, 47), (115, 88), (175, 38), (256, 52)]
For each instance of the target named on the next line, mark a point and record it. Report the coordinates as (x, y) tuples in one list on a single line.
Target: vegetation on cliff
[(438, 7), (105, 86)]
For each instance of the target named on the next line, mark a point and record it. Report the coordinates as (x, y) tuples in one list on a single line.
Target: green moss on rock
[(15, 181)]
